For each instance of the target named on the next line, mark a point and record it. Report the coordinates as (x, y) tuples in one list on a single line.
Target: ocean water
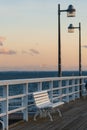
[(35, 74)]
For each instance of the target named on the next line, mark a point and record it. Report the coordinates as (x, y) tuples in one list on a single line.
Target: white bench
[(44, 105)]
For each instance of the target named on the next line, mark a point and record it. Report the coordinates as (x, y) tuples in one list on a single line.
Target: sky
[(29, 35)]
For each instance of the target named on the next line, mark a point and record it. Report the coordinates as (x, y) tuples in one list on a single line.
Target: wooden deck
[(74, 118)]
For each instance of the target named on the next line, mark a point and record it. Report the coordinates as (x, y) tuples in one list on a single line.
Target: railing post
[(80, 85), (73, 89), (5, 106), (25, 102), (60, 90), (78, 89), (51, 88), (40, 86), (67, 90), (83, 81)]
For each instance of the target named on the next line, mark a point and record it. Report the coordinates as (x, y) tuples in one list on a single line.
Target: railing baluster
[(25, 102), (5, 106), (51, 92), (78, 89), (60, 90), (67, 91), (73, 89), (40, 86)]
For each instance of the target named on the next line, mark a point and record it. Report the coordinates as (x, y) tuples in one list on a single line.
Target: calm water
[(35, 74)]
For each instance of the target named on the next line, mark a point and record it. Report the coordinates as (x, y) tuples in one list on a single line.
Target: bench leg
[(60, 114), (40, 112), (48, 113), (36, 114)]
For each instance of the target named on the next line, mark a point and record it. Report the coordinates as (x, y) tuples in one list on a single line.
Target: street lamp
[(71, 30), (70, 13)]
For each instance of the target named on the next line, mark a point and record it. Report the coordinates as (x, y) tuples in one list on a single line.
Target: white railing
[(16, 95)]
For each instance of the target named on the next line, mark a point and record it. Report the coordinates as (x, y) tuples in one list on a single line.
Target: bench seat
[(50, 105)]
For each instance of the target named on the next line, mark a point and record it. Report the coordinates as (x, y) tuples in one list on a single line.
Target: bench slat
[(42, 100), (40, 95)]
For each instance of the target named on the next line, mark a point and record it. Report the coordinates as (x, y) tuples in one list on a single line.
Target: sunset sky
[(29, 35)]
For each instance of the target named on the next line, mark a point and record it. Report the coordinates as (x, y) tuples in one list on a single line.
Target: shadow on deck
[(74, 118)]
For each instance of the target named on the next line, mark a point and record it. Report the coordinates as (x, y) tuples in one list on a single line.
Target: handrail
[(34, 80)]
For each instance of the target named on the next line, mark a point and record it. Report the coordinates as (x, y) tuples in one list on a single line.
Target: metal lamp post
[(71, 30), (70, 13)]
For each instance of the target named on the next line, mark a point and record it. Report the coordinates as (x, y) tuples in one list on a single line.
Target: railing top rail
[(34, 80)]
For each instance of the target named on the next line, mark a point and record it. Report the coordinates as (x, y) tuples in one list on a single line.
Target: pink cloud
[(34, 51), (1, 44), (31, 52), (85, 46), (24, 52), (2, 38), (7, 52)]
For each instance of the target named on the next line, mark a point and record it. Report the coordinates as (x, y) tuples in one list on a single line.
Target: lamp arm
[(63, 10)]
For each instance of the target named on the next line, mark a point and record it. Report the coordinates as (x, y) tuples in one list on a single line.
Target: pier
[(16, 98), (74, 118)]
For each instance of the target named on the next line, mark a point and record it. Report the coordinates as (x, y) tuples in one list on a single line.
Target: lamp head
[(71, 11), (71, 28)]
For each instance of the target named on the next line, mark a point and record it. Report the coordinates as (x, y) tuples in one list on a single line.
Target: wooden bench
[(44, 105)]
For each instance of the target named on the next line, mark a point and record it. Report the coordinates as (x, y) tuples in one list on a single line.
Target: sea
[(9, 75)]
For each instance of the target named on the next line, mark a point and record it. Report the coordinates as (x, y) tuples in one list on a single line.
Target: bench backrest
[(41, 98)]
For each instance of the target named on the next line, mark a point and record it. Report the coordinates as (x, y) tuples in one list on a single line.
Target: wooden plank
[(74, 118)]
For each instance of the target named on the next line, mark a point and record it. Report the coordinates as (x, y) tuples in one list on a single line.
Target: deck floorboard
[(74, 118)]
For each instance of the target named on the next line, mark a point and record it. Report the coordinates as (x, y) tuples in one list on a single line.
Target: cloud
[(24, 52), (33, 51), (7, 52), (36, 43), (2, 38), (1, 44), (85, 46)]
